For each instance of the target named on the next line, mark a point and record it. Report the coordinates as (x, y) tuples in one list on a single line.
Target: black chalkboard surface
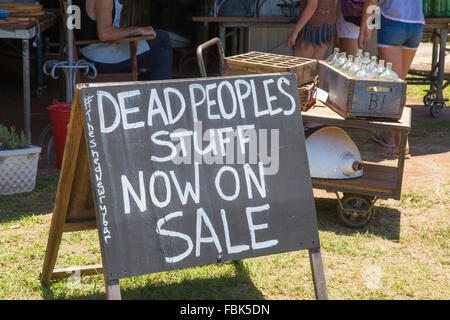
[(197, 171)]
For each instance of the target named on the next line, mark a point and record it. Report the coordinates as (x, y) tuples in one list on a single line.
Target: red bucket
[(59, 119)]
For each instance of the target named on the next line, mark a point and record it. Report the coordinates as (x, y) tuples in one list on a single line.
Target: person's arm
[(106, 31), (364, 31), (303, 19)]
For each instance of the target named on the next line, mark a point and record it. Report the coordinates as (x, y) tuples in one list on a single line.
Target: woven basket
[(306, 94), (18, 170)]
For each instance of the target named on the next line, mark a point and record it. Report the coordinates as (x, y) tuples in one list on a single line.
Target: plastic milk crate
[(358, 98)]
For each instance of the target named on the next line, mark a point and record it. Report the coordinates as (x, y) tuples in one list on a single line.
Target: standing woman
[(315, 30), (348, 25), (399, 37)]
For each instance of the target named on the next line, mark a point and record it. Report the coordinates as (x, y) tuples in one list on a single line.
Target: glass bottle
[(388, 74), (366, 58), (380, 67), (437, 8), (426, 7), (333, 57), (363, 73), (348, 64), (355, 67), (341, 60), (359, 54), (372, 66)]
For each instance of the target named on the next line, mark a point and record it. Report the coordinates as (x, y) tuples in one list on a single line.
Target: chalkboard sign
[(197, 171)]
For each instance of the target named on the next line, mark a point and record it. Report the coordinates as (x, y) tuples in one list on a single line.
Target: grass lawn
[(402, 254)]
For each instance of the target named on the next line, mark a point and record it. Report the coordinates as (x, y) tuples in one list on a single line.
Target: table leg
[(26, 86), (434, 58), (440, 73), (403, 137), (222, 36), (39, 63)]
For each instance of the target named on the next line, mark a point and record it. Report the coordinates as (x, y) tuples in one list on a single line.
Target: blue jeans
[(399, 34), (158, 59)]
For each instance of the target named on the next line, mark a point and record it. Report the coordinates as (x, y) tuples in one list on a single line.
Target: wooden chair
[(106, 77)]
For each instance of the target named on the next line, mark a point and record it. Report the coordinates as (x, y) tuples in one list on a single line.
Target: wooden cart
[(356, 197)]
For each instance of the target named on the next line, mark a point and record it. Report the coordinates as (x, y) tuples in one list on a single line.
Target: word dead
[(225, 100)]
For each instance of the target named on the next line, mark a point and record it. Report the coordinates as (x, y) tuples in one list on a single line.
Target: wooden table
[(25, 30), (241, 23), (378, 180)]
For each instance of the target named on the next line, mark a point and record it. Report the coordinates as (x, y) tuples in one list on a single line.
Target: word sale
[(253, 183)]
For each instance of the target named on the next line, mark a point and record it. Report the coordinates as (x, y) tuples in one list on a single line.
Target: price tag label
[(321, 95)]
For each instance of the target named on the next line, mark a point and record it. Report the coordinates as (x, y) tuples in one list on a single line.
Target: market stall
[(356, 193)]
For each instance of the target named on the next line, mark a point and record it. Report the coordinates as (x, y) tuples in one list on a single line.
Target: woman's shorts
[(399, 34), (347, 29)]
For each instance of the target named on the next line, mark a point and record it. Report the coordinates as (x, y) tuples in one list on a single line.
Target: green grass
[(415, 93), (402, 254)]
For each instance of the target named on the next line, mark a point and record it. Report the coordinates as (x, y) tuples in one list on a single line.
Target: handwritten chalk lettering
[(164, 190), (159, 188), (237, 184), (129, 97), (174, 234), (205, 233), (224, 100)]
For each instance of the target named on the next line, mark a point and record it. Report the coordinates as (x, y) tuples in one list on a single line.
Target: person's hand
[(292, 39), (147, 31), (364, 36)]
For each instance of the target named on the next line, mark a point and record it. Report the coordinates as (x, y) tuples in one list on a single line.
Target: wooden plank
[(323, 114), (320, 286), (64, 193), (88, 270), (376, 178), (240, 20), (80, 225), (260, 62)]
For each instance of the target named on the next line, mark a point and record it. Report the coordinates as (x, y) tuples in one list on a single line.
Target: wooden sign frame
[(75, 210)]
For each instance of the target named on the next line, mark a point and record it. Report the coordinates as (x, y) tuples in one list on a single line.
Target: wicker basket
[(18, 170), (306, 95)]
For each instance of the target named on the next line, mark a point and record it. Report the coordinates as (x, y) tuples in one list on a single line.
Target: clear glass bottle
[(341, 60), (359, 54), (373, 66), (348, 64), (363, 73), (389, 74), (366, 58), (380, 67), (333, 57), (355, 67)]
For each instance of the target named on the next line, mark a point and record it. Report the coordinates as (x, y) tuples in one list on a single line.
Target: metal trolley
[(356, 197), (436, 77)]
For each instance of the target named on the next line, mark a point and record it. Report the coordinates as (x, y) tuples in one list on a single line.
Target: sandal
[(376, 137), (394, 155)]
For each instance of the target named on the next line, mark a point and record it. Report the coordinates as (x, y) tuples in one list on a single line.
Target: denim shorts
[(399, 34)]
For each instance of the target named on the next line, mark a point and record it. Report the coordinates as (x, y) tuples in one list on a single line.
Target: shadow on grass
[(385, 223), (38, 202), (239, 286)]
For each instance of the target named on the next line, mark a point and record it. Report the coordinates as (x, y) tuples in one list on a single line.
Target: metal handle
[(200, 61)]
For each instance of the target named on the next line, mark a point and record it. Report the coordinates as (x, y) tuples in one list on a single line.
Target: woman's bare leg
[(303, 49), (394, 55), (348, 45)]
